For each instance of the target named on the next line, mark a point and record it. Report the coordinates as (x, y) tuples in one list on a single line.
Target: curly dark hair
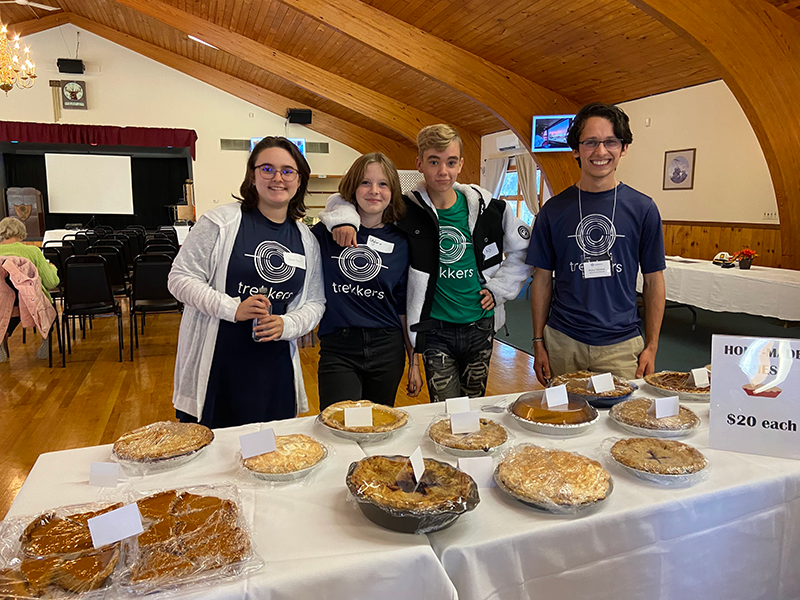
[(619, 121), (355, 175), (249, 194)]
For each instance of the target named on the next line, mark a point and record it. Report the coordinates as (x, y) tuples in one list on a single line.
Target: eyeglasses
[(268, 172), (610, 144)]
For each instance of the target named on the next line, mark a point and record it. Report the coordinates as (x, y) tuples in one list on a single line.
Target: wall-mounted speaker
[(301, 116), (70, 65)]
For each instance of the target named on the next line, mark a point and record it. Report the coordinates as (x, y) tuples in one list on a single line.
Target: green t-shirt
[(48, 273), (457, 298)]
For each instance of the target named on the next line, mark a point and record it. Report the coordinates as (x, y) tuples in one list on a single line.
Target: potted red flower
[(745, 257)]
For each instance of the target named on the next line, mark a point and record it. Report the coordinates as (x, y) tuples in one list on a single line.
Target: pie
[(490, 436), (162, 441), (49, 535), (636, 412), (294, 453), (548, 477), (662, 457), (532, 407), (750, 390), (580, 383), (88, 571), (675, 381), (384, 418), (388, 481)]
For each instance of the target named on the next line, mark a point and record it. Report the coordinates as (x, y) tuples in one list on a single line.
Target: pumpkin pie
[(384, 418)]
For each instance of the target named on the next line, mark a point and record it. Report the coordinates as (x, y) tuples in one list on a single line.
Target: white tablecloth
[(757, 291), (56, 235)]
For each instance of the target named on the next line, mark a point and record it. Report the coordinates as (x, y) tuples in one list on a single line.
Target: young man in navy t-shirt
[(595, 236)]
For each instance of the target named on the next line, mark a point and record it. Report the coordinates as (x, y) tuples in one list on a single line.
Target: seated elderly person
[(12, 233)]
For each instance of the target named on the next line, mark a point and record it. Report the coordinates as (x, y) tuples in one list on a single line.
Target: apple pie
[(294, 453), (636, 412), (162, 441), (675, 381), (580, 383), (658, 456), (490, 436)]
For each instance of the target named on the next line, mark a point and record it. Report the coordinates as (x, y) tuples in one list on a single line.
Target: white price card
[(103, 474), (665, 407), (115, 525), (465, 422), (294, 260), (457, 405), (604, 382), (358, 416), (417, 463), (700, 377), (260, 442), (380, 245), (480, 468), (556, 396)]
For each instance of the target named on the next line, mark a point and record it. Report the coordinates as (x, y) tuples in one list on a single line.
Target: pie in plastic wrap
[(579, 383), (636, 413), (675, 381), (490, 436), (294, 453), (162, 441), (657, 456)]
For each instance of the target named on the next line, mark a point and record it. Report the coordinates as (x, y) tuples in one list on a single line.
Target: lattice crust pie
[(636, 412), (389, 482), (580, 383), (161, 441), (544, 477), (663, 457), (491, 435), (675, 381), (384, 418), (294, 453)]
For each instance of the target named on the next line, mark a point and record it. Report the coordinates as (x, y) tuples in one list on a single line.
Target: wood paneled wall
[(703, 239)]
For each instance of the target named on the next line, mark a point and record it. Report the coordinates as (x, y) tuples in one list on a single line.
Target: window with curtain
[(510, 193)]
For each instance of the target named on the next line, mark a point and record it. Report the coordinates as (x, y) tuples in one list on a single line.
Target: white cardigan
[(198, 278)]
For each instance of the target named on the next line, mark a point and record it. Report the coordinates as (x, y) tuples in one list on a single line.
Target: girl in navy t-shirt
[(363, 334)]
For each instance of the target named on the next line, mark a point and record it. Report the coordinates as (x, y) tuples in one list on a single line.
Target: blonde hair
[(438, 137), (355, 175), (11, 227)]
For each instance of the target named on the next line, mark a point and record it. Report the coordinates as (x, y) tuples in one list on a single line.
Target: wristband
[(541, 339)]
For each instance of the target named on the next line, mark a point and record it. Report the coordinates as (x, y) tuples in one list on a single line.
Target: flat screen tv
[(299, 142), (550, 133)]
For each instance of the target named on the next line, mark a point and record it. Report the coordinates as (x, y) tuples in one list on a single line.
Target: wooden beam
[(763, 75), (358, 138), (32, 26)]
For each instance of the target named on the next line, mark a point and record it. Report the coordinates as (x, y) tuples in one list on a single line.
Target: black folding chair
[(115, 264), (161, 248), (87, 293), (54, 256), (65, 248), (149, 293), (136, 239), (170, 232)]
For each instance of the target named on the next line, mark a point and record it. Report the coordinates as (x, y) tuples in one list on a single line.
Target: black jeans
[(456, 359), (360, 364)]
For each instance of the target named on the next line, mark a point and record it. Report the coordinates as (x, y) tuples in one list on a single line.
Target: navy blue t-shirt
[(600, 311), (364, 286)]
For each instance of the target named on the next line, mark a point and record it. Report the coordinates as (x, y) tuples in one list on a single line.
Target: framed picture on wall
[(679, 169)]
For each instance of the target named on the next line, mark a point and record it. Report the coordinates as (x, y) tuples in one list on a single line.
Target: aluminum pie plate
[(293, 476), (360, 437), (471, 453), (558, 429), (676, 480), (159, 465), (552, 507), (683, 396)]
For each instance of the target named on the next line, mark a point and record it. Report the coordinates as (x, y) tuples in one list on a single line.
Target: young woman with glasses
[(249, 274), (363, 336)]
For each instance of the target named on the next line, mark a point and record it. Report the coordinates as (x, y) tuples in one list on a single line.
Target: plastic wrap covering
[(553, 480), (297, 459), (531, 412), (579, 384), (665, 462), (160, 446), (635, 416), (385, 421), (491, 438), (51, 555), (676, 382), (387, 493), (193, 537)]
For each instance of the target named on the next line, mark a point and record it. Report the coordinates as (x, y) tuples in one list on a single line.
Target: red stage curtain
[(97, 135)]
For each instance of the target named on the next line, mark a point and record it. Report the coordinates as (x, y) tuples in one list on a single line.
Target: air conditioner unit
[(508, 142)]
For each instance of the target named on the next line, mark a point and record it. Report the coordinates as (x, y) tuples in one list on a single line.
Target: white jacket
[(198, 278)]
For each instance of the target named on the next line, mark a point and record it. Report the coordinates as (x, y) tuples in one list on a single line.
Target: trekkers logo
[(361, 265), (524, 232), (452, 245), (595, 236), (270, 263)]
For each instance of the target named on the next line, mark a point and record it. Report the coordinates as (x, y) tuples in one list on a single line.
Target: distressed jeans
[(457, 359)]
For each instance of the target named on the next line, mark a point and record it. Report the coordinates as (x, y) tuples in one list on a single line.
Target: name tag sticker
[(103, 474), (700, 377), (457, 405), (556, 396), (490, 250), (480, 468), (665, 407), (358, 416), (260, 442), (465, 422), (417, 463), (380, 245), (597, 268), (603, 383), (294, 260), (116, 525)]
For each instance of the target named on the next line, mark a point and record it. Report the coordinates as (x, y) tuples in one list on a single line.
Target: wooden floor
[(96, 399)]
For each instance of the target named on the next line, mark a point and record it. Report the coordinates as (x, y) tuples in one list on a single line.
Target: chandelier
[(13, 69)]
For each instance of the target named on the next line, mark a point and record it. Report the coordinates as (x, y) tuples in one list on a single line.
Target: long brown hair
[(355, 175), (248, 191)]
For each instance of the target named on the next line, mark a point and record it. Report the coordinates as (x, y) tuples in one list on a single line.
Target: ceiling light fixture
[(13, 69)]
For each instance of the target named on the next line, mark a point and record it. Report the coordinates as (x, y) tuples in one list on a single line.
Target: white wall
[(131, 90), (732, 181)]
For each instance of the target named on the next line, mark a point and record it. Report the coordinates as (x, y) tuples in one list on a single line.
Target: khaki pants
[(568, 355)]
